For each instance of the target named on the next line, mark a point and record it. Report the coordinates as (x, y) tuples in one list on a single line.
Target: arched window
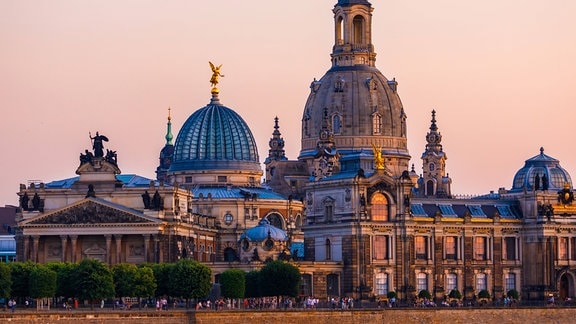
[(276, 220), (481, 282), (229, 254), (358, 24), (336, 124), (339, 31), (328, 249), (510, 281), (451, 282), (381, 283), (379, 207), (376, 124), (421, 281), (430, 188)]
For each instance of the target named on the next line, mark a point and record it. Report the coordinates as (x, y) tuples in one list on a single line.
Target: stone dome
[(538, 168), (263, 231), (353, 99), (215, 138)]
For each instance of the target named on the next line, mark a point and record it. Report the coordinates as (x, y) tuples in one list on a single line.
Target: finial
[(541, 150), (169, 135), (433, 126)]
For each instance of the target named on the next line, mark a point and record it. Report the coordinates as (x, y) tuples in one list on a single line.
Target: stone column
[(118, 239), (36, 241), (108, 248), (64, 242), (26, 240), (156, 251), (74, 242), (146, 245)]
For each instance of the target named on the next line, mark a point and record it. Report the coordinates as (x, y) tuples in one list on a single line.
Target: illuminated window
[(480, 248), (451, 282), (381, 282), (450, 247), (379, 207), (563, 248), (421, 281), (481, 283), (381, 247), (421, 245)]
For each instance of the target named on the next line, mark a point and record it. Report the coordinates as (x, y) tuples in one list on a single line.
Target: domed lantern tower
[(361, 105)]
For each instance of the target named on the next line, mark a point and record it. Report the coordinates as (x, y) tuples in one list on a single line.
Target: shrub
[(391, 294), (455, 293), (484, 294), (424, 294), (513, 293)]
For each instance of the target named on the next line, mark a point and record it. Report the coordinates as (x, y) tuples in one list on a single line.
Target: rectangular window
[(381, 284), (328, 213), (504, 211), (510, 248), (450, 247), (480, 251), (222, 179), (188, 179), (481, 283), (451, 282), (510, 281), (421, 247), (380, 247), (421, 282)]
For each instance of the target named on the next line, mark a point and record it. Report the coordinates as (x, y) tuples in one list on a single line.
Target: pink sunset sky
[(500, 74)]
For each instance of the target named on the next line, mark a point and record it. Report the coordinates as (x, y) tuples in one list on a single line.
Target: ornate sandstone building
[(350, 212)]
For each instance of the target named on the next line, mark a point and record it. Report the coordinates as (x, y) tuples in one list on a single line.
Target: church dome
[(360, 106), (215, 138), (264, 231), (539, 171)]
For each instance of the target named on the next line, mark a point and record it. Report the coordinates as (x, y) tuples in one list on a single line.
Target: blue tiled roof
[(128, 180), (233, 192)]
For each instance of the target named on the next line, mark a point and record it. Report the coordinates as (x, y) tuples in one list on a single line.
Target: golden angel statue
[(215, 74), (378, 158)]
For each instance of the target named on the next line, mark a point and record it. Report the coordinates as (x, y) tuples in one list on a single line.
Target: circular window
[(269, 244), (228, 218)]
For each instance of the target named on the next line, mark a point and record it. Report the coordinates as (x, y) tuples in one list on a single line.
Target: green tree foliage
[(124, 279), (513, 293), (42, 281), (484, 294), (20, 272), (93, 281), (253, 284), (162, 276), (424, 294), (145, 282), (455, 293), (391, 294), (233, 283), (190, 279), (65, 272), (5, 281), (279, 278)]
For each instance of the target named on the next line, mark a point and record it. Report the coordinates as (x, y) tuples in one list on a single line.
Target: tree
[(233, 283), (42, 282), (20, 272), (64, 276), (93, 281), (513, 293), (162, 277), (190, 279), (424, 294), (124, 275), (252, 284), (145, 282), (5, 281), (455, 293), (280, 278)]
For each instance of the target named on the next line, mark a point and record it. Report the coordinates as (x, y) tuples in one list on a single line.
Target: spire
[(276, 144), (353, 38), (169, 135), (434, 138)]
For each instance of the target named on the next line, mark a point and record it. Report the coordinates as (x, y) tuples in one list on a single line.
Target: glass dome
[(263, 231), (539, 171), (215, 138)]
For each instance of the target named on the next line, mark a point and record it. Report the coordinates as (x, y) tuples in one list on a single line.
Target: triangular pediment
[(91, 211)]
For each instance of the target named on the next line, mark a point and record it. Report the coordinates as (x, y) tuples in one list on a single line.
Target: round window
[(228, 218)]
